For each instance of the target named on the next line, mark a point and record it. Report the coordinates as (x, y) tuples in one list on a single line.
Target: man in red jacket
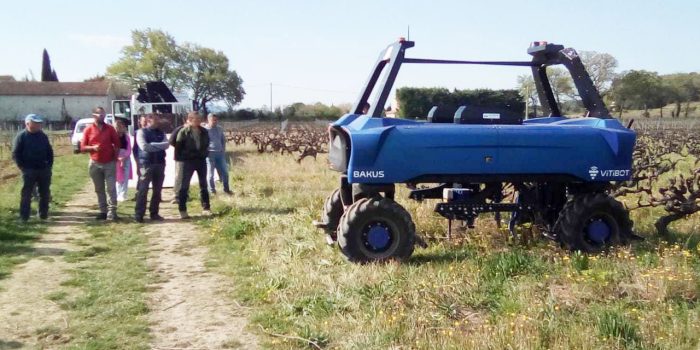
[(102, 142)]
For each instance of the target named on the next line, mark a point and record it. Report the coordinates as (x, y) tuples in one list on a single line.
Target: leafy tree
[(561, 83), (152, 56), (527, 89), (416, 102), (680, 88), (601, 67), (639, 89), (205, 73), (47, 74)]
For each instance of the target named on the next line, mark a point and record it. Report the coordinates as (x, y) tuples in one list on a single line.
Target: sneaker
[(139, 219), (174, 201), (157, 217), (212, 191), (113, 217), (101, 216), (228, 192), (184, 215), (206, 212)]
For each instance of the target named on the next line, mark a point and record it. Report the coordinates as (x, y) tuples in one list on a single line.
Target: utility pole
[(527, 101), (270, 97)]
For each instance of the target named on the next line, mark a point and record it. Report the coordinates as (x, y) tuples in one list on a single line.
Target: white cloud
[(101, 41)]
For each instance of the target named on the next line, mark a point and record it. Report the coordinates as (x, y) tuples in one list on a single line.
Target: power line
[(269, 85)]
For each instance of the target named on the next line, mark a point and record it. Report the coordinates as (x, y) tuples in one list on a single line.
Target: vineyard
[(300, 140)]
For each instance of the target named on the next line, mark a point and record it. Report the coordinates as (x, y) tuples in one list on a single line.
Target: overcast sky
[(323, 50)]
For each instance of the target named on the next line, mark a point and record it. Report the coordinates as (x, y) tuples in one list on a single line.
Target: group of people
[(197, 149)]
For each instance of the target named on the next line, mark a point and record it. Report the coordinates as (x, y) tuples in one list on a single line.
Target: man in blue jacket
[(33, 154)]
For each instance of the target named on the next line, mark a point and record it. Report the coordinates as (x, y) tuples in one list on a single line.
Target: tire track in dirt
[(189, 308), (27, 317)]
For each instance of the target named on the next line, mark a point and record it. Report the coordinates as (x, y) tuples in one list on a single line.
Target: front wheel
[(376, 229), (593, 222)]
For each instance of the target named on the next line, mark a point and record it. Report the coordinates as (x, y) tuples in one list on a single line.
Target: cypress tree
[(46, 68), (47, 73)]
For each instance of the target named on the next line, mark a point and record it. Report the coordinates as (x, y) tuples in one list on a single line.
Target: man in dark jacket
[(192, 146), (33, 154), (178, 161), (152, 144)]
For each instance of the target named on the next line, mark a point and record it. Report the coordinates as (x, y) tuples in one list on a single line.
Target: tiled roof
[(54, 88)]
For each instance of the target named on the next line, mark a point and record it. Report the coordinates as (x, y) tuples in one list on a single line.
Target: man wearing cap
[(102, 142), (33, 154)]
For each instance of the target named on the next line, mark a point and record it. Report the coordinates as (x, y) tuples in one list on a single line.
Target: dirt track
[(27, 317), (188, 307)]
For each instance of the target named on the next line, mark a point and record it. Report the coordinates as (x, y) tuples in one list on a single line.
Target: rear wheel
[(593, 222), (376, 229), (332, 211)]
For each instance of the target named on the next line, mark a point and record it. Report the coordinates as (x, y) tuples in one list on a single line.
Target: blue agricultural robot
[(558, 168)]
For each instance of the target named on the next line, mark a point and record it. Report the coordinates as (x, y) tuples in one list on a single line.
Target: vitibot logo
[(593, 171)]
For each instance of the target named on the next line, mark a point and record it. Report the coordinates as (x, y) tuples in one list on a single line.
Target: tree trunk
[(203, 108), (661, 112), (687, 108), (678, 109), (663, 222)]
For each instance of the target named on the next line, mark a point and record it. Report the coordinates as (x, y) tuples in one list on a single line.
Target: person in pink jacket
[(124, 157)]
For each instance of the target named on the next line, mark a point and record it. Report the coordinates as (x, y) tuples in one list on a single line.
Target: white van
[(78, 133)]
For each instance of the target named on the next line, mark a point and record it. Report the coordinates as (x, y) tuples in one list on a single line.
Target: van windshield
[(81, 127)]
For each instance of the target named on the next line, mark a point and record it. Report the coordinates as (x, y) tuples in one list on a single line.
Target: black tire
[(332, 211), (593, 222), (376, 229)]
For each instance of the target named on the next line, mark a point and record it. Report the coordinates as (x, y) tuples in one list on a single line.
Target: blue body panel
[(388, 150)]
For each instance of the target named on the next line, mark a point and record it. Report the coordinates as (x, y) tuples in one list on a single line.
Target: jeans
[(178, 179), (35, 178), (123, 186), (104, 176), (188, 169), (217, 162), (154, 173)]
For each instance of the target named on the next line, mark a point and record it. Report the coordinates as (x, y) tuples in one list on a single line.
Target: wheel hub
[(598, 231), (378, 237)]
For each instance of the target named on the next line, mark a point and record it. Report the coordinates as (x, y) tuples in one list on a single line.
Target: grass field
[(479, 290), (109, 312)]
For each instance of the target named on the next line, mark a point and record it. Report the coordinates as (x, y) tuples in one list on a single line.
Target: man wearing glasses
[(102, 142)]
